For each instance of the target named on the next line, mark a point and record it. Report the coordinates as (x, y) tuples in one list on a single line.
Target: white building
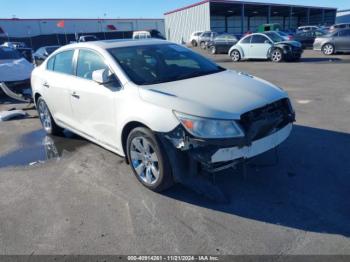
[(34, 27)]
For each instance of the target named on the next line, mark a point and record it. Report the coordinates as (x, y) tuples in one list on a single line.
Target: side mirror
[(105, 77), (101, 76)]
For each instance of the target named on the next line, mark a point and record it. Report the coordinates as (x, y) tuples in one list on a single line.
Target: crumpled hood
[(224, 95), (15, 70), (292, 43)]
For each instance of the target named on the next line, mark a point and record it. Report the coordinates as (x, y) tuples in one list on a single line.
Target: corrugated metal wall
[(180, 25), (28, 27), (343, 16)]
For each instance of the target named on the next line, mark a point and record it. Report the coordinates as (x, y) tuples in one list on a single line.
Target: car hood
[(15, 70), (224, 95), (292, 43)]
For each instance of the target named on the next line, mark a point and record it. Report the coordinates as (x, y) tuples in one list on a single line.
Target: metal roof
[(242, 2)]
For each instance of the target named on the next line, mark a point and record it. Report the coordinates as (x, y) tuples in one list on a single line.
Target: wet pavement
[(37, 148), (78, 198)]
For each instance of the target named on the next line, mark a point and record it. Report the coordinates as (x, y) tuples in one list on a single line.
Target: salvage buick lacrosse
[(161, 106)]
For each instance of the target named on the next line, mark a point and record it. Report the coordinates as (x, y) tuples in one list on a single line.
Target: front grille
[(266, 120)]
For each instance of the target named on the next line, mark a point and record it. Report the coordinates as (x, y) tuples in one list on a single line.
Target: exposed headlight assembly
[(209, 128)]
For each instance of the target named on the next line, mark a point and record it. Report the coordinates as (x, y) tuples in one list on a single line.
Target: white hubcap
[(276, 56), (328, 49), (235, 56)]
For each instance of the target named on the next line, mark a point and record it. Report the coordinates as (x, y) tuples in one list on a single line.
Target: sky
[(118, 8)]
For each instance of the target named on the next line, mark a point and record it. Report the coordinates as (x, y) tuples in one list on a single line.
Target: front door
[(245, 45), (260, 47), (93, 104), (57, 84), (342, 42)]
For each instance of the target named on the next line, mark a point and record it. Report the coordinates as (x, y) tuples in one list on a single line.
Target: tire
[(148, 160), (277, 55), (46, 118), (202, 45), (213, 50), (194, 43), (328, 49), (235, 56)]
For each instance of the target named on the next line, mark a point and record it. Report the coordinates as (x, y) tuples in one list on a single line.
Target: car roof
[(107, 44)]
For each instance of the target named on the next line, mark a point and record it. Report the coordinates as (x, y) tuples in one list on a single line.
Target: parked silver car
[(329, 44), (205, 37)]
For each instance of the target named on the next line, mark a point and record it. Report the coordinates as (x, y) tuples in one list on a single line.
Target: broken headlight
[(209, 128)]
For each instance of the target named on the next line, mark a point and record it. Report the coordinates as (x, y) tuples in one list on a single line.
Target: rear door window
[(63, 62)]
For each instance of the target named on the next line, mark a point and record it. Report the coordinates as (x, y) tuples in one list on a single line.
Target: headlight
[(209, 128)]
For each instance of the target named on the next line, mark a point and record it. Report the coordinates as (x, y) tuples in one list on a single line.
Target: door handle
[(46, 85), (75, 95)]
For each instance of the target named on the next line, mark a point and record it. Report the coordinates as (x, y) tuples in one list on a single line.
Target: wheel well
[(237, 51), (126, 131), (327, 44), (36, 97)]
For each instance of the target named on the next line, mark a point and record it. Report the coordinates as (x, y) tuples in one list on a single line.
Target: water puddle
[(37, 148)]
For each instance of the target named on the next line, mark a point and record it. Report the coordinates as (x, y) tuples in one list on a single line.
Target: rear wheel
[(148, 160), (235, 56), (46, 118), (328, 49), (194, 43), (277, 55)]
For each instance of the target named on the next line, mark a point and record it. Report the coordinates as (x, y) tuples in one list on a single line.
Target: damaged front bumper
[(265, 128)]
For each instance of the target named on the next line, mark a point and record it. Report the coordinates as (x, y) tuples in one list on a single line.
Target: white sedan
[(161, 106)]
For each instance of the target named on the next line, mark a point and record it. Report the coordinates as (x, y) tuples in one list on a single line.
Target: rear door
[(220, 43), (93, 104), (57, 84), (342, 42), (260, 46)]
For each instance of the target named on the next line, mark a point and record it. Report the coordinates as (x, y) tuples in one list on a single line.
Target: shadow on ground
[(308, 189)]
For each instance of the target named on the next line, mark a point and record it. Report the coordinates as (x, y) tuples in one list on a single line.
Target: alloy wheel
[(44, 115), (144, 160), (235, 56), (276, 56), (328, 49)]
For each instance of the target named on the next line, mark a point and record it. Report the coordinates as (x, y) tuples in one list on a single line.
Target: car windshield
[(154, 64), (7, 53), (274, 37)]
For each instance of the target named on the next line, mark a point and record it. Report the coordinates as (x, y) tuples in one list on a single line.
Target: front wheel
[(46, 118), (148, 160), (328, 49), (203, 45), (213, 50), (235, 56), (277, 56)]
